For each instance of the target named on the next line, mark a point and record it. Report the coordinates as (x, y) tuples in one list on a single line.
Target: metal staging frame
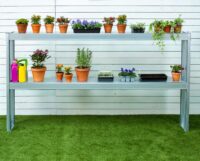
[(183, 85)]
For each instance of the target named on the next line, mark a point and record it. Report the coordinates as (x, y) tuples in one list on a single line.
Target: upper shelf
[(89, 36)]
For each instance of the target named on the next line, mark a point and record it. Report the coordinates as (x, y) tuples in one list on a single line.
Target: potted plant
[(108, 24), (86, 26), (167, 26), (22, 24), (83, 61), (138, 28), (176, 72), (49, 24), (127, 75), (178, 24), (59, 72), (35, 20), (68, 74), (63, 24), (105, 76), (38, 69), (121, 25)]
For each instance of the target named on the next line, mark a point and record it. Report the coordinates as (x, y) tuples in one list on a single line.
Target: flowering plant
[(78, 24), (62, 20), (49, 20), (35, 19), (68, 70), (38, 57), (109, 20), (122, 19), (176, 68), (127, 72), (59, 68)]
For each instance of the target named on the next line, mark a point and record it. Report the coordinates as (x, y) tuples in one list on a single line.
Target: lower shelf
[(94, 84)]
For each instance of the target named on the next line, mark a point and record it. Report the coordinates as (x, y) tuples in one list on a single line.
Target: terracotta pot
[(178, 28), (82, 74), (59, 76), (176, 76), (38, 74), (108, 28), (36, 28), (167, 29), (49, 28), (68, 77), (121, 28), (22, 28), (63, 28)]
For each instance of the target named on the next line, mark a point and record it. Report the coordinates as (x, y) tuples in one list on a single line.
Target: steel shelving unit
[(183, 85)]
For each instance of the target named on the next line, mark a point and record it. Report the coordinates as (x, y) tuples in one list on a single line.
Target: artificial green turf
[(100, 138)]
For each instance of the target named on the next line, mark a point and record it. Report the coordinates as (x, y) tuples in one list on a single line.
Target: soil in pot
[(178, 29), (63, 28), (49, 28), (167, 29), (176, 76), (108, 28), (36, 28), (22, 28), (59, 76), (96, 30), (121, 28), (38, 74), (68, 77), (141, 30), (82, 74)]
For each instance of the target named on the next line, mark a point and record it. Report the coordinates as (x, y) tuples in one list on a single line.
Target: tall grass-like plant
[(84, 58)]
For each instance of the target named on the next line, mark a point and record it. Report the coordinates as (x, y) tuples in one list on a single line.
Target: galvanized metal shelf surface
[(183, 85)]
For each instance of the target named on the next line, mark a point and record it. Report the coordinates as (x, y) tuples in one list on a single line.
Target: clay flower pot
[(38, 74), (59, 76), (178, 28), (63, 28), (82, 74), (108, 28), (121, 28), (49, 28), (68, 77), (22, 28), (36, 28), (176, 76), (167, 29)]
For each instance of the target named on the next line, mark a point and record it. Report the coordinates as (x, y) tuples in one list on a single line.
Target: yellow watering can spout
[(22, 71)]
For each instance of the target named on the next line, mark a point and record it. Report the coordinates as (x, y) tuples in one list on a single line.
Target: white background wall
[(107, 56)]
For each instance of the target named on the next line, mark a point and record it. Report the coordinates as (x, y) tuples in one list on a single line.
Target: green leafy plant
[(78, 24), (62, 20), (109, 20), (105, 74), (22, 21), (84, 58), (127, 72), (122, 19), (176, 68), (178, 21), (38, 57), (59, 68), (138, 26), (68, 70), (49, 20), (35, 19)]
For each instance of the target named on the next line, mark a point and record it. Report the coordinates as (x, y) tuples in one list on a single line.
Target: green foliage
[(84, 58), (49, 20), (109, 20), (84, 24), (178, 21), (105, 74), (59, 68), (122, 19), (176, 68), (22, 21), (63, 20), (138, 26), (35, 19), (68, 70)]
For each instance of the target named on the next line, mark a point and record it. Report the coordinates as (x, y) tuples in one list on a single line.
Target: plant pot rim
[(82, 68), (36, 24), (22, 24), (63, 24), (49, 23), (121, 24), (108, 24), (59, 72), (38, 69), (69, 74), (177, 72)]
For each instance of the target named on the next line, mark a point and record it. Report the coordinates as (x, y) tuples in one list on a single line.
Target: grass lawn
[(100, 138)]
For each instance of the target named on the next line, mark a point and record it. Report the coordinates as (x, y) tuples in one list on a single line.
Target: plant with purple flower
[(78, 24), (127, 73)]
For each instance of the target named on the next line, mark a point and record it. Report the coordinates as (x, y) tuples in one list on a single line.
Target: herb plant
[(59, 68), (22, 21), (62, 20), (68, 70), (35, 19), (78, 24), (49, 20), (38, 57), (178, 21), (176, 68), (109, 20), (122, 19), (84, 58)]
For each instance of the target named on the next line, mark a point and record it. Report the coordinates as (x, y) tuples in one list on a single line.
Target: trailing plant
[(84, 58), (68, 70), (122, 19), (49, 20), (78, 24), (138, 26), (35, 19), (38, 57), (62, 20), (178, 21), (127, 72), (22, 21), (59, 68), (109, 20), (177, 68)]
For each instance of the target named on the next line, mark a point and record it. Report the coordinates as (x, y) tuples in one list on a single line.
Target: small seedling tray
[(105, 79), (153, 77)]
